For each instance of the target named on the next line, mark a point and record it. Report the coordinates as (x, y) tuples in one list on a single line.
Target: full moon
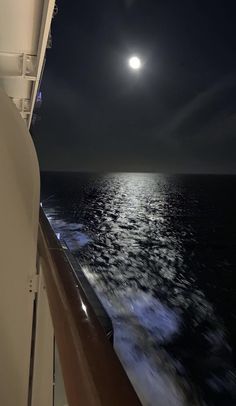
[(135, 63)]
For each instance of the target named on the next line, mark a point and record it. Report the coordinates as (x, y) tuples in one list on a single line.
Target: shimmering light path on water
[(160, 253)]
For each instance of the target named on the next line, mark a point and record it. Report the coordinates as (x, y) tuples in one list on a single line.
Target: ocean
[(160, 253)]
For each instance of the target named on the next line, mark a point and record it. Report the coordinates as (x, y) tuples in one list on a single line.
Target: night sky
[(177, 114)]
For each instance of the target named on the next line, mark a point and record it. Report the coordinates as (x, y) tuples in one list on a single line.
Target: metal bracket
[(18, 65)]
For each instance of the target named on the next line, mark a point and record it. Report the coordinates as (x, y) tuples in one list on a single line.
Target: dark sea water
[(160, 252)]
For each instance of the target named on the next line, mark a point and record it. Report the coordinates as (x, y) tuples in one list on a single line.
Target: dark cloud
[(202, 107), (129, 3), (177, 114)]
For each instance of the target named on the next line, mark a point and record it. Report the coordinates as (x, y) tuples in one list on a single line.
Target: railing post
[(59, 388), (43, 360)]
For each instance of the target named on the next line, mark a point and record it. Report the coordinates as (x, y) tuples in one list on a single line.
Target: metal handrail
[(92, 372)]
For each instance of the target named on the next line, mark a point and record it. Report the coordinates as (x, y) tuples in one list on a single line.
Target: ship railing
[(92, 374)]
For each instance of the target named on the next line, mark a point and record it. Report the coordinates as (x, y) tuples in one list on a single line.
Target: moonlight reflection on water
[(147, 243)]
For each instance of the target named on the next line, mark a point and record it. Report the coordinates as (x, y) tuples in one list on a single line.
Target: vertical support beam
[(43, 363)]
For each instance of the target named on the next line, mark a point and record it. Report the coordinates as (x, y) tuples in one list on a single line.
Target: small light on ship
[(84, 309)]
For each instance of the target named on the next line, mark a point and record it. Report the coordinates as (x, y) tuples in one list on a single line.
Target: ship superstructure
[(41, 300)]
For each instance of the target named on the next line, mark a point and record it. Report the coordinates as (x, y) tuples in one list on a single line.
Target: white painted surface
[(24, 31), (19, 183)]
